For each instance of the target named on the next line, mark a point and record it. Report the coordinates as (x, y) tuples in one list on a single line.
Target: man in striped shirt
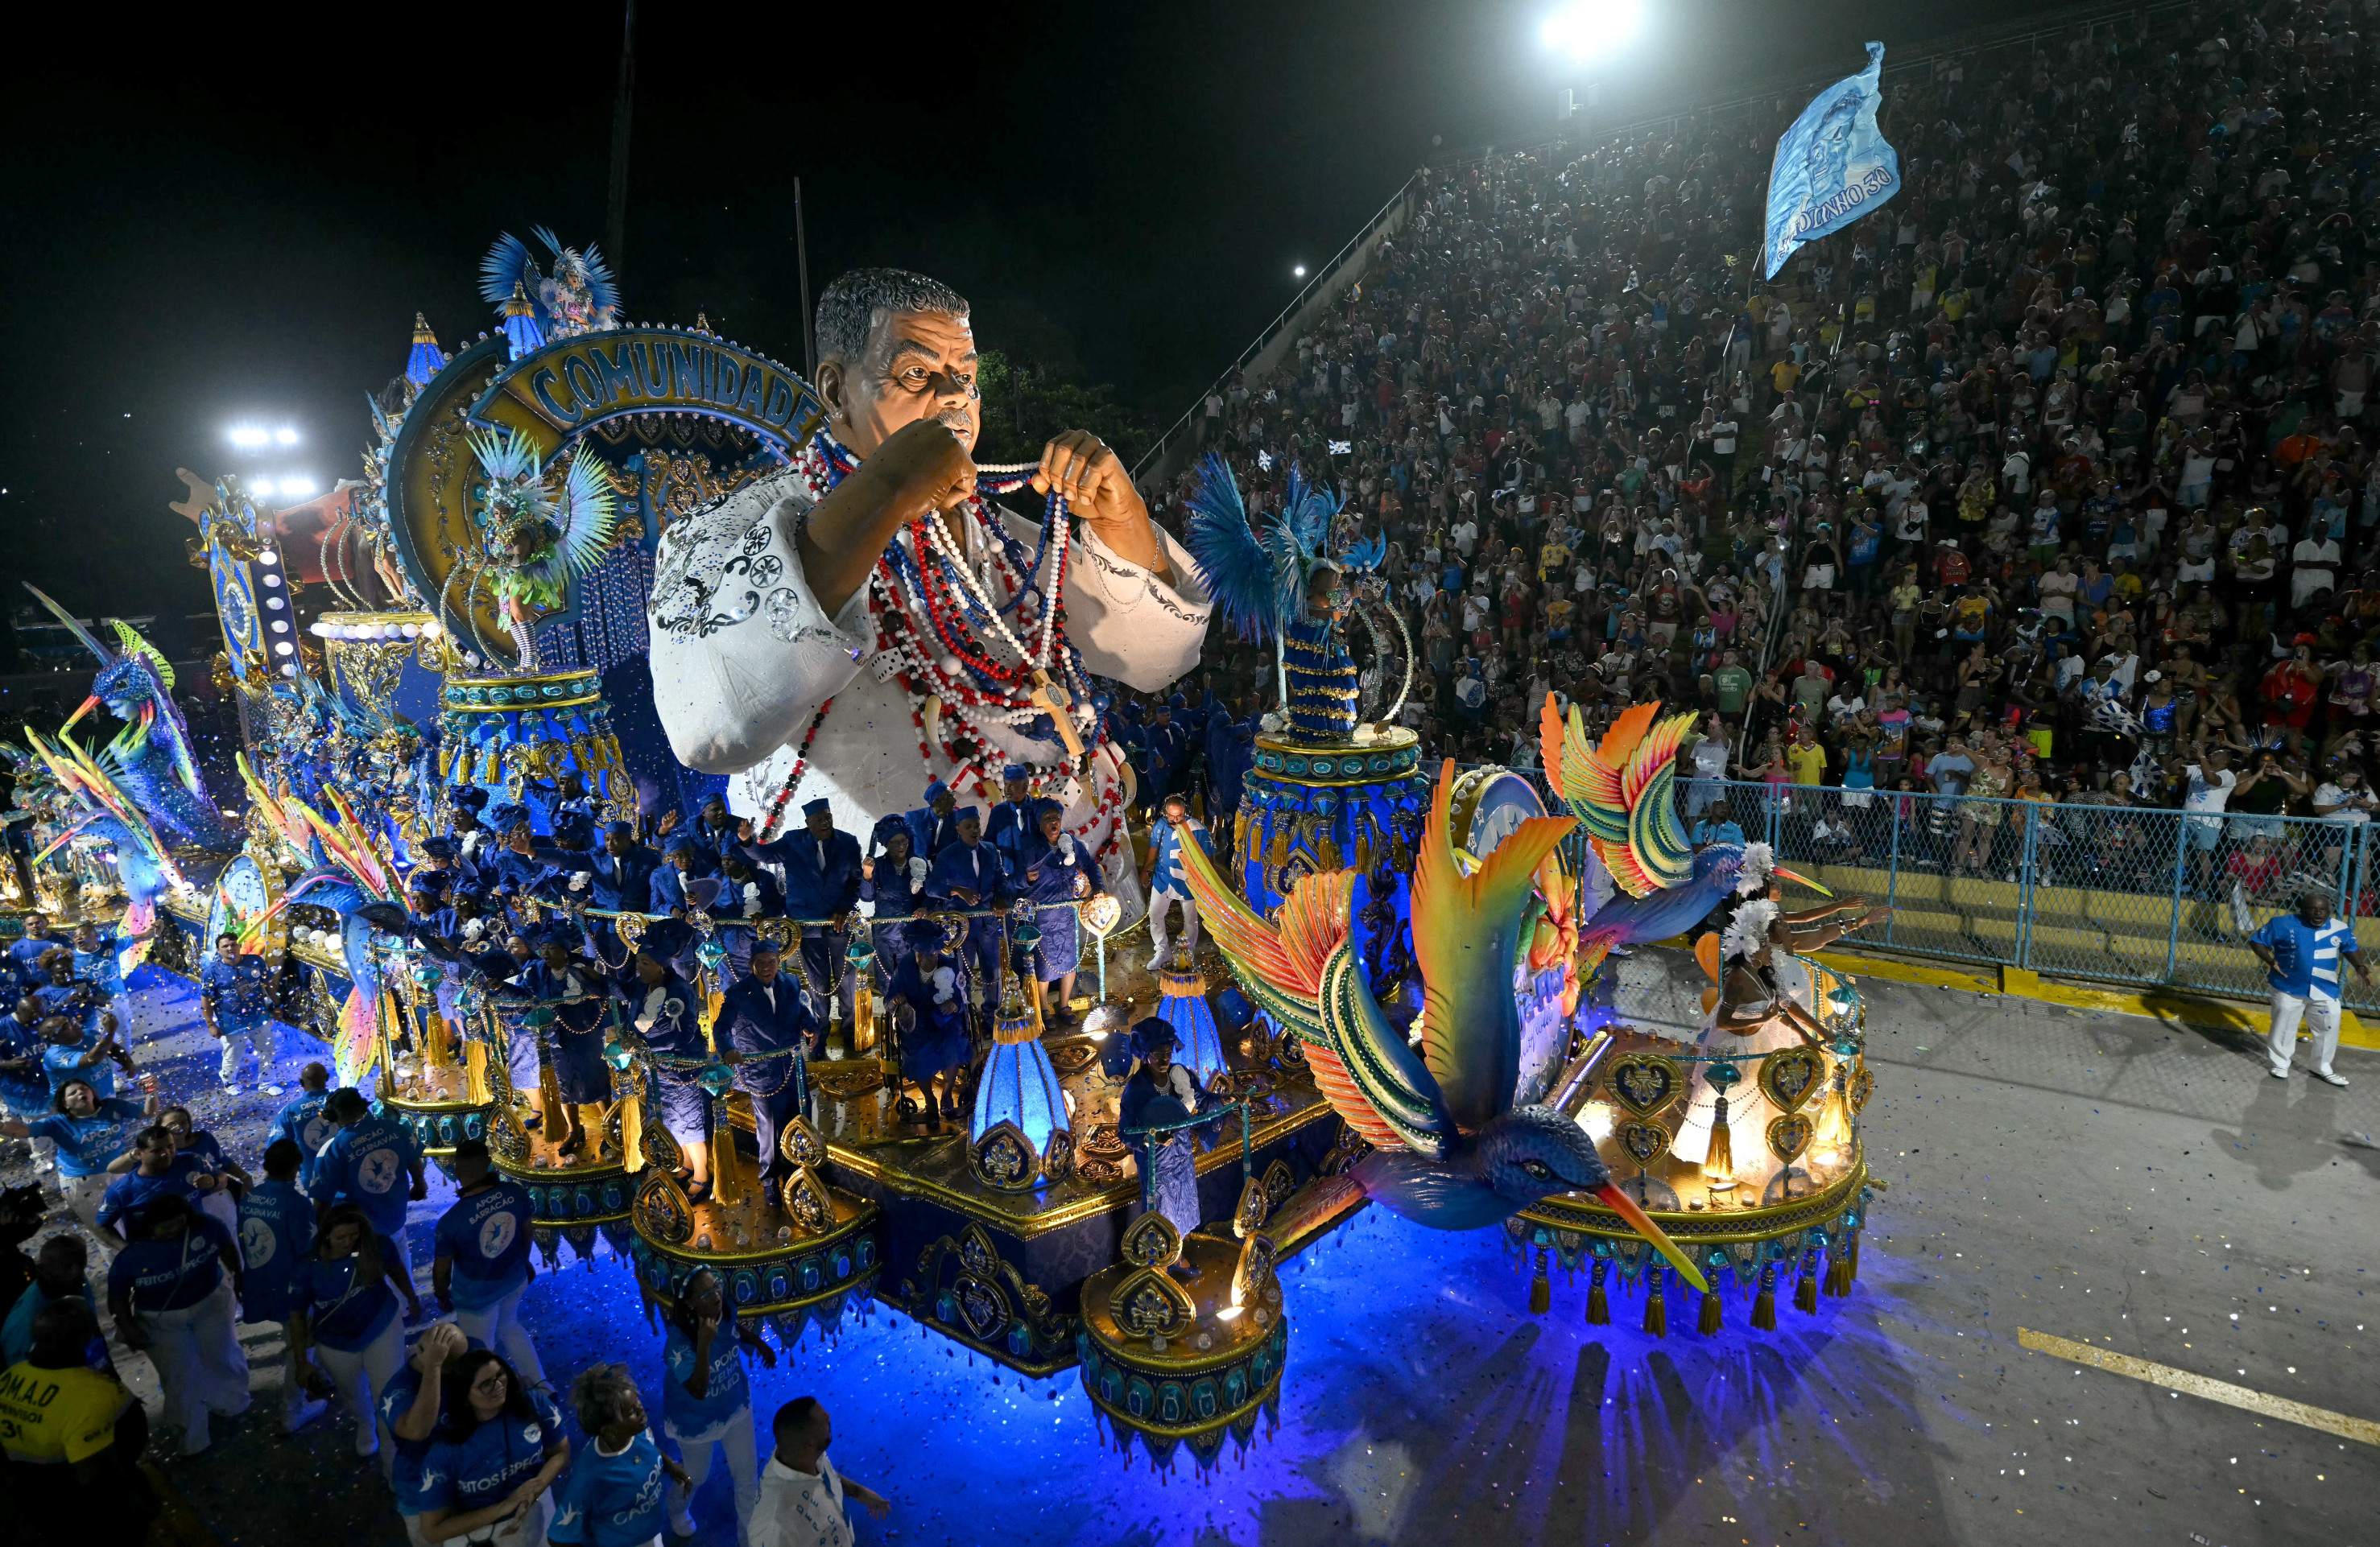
[(2302, 953)]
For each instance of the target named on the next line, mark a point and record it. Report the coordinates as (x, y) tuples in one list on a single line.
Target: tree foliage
[(1024, 403)]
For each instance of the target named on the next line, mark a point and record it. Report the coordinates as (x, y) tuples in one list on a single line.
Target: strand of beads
[(776, 812)]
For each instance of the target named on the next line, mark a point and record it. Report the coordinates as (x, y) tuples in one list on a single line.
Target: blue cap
[(961, 814), (813, 808), (717, 798), (1015, 771), (1046, 807), (427, 881), (679, 843), (886, 827), (620, 829), (470, 798), (1177, 702), (508, 816), (439, 848), (936, 789), (923, 932), (764, 945)]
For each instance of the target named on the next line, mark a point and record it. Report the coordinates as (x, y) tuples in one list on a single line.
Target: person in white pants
[(348, 1318), (707, 1401), (2301, 952), (235, 1002), (1167, 887), (171, 1291), (482, 1265)]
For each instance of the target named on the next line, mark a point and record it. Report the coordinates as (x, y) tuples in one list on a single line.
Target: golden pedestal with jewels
[(798, 1253), (1745, 1149), (573, 1195), (1183, 1339)]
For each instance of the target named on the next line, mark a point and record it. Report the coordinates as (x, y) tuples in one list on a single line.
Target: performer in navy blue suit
[(1013, 829), (821, 868), (624, 871), (765, 1014), (967, 876)]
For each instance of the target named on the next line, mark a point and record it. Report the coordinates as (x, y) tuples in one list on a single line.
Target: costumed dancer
[(472, 837), (236, 1001), (1160, 1093), (927, 1001), (935, 823), (1057, 873), (1167, 887), (968, 876), (1013, 828), (1764, 1002), (623, 871), (577, 993), (666, 1011), (771, 1033), (687, 879)]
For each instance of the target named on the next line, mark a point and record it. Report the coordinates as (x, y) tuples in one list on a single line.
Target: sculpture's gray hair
[(849, 309)]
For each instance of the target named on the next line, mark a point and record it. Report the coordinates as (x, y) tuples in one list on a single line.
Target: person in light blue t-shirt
[(706, 1401), (614, 1493), (88, 1130), (482, 1265), (366, 1161), (2301, 954), (347, 1314), (276, 1234), (302, 1122), (496, 1454)]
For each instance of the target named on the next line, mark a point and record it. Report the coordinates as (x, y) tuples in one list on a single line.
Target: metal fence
[(2118, 894)]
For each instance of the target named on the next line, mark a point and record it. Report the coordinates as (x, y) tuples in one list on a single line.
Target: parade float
[(466, 623)]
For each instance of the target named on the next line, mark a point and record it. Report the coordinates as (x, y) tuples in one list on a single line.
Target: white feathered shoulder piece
[(1747, 934), (1752, 876)]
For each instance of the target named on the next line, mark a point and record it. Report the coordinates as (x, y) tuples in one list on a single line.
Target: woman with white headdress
[(1764, 1003)]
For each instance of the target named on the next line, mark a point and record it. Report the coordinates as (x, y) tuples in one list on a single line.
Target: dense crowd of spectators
[(2050, 480)]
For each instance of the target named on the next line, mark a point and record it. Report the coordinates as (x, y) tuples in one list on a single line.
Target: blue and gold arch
[(676, 414)]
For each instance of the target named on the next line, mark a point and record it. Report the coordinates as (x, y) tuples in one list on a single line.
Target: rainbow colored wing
[(1467, 937), (1303, 972), (1622, 791), (1369, 1073), (1285, 980)]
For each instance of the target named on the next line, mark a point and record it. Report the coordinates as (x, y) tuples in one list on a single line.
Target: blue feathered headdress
[(578, 296), (1256, 570)]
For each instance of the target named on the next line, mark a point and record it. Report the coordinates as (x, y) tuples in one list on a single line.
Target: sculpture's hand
[(1087, 471)]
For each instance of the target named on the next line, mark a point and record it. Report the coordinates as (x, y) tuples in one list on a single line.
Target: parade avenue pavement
[(2118, 1183)]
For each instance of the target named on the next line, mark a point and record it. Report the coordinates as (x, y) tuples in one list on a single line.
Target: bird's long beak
[(1798, 880), (1639, 1221), (87, 705)]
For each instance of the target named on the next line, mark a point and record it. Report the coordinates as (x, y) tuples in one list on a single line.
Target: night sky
[(234, 217)]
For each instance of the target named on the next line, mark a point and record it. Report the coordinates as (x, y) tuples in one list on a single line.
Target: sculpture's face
[(917, 365)]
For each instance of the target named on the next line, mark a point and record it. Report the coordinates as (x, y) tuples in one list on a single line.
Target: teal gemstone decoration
[(718, 1078)]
